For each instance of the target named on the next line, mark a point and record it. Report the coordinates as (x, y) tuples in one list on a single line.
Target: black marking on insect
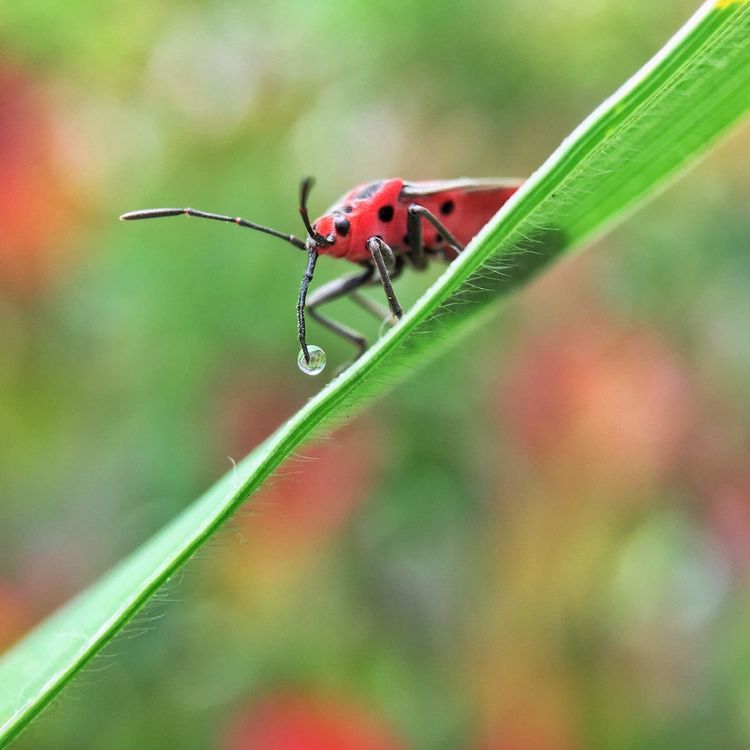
[(369, 190), (385, 213)]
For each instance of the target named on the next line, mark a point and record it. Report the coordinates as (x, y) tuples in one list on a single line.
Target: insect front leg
[(372, 307), (312, 259), (379, 250), (333, 290), (415, 214)]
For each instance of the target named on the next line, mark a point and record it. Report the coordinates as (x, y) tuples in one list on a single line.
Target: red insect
[(382, 226)]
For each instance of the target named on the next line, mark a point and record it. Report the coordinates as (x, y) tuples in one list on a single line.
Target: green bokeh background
[(541, 541)]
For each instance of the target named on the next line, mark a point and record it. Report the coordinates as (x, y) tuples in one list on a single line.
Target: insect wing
[(412, 190)]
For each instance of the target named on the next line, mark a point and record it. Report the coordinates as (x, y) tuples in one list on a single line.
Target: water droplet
[(317, 362)]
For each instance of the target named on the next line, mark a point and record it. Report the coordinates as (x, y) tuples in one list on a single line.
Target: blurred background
[(542, 542)]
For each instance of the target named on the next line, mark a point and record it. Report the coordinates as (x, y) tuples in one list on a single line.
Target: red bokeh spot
[(729, 514), (15, 618), (305, 723), (35, 214), (525, 738), (600, 400)]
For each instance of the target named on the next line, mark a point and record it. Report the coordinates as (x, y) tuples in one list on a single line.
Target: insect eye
[(342, 225)]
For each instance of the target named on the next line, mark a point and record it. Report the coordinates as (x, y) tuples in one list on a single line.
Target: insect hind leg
[(415, 214)]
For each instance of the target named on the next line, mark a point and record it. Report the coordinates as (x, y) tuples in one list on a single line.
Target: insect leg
[(332, 291), (372, 307), (377, 247), (416, 213), (414, 234)]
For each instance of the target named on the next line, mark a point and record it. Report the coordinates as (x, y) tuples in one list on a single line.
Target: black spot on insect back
[(385, 213), (369, 190), (447, 207), (342, 225), (348, 209)]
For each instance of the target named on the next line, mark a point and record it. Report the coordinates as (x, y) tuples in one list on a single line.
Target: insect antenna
[(158, 213), (304, 194)]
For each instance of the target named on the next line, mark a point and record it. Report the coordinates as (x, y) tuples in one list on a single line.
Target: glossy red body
[(464, 206)]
